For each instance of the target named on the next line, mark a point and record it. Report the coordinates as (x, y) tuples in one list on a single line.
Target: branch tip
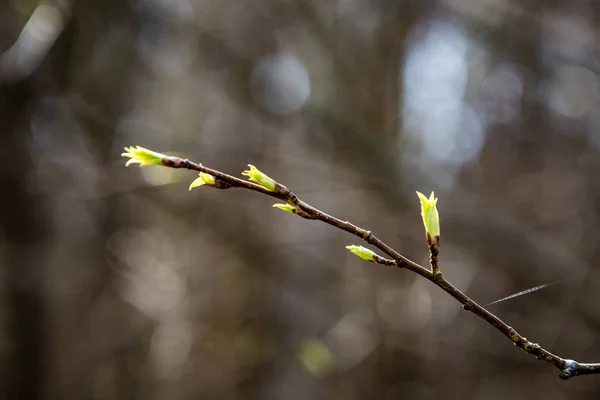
[(429, 212), (142, 156)]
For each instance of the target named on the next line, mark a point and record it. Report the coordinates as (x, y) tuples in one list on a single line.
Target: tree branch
[(568, 368)]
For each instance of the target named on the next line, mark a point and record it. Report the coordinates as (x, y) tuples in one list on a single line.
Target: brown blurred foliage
[(120, 284)]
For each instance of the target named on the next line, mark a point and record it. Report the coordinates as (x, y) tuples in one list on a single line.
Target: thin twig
[(568, 368), (434, 251)]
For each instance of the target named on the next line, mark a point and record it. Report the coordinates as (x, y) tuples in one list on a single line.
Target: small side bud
[(263, 180), (285, 207), (362, 252), (204, 179), (142, 156), (431, 218)]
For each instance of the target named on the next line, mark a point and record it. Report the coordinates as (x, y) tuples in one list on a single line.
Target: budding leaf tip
[(142, 156), (362, 252), (429, 212)]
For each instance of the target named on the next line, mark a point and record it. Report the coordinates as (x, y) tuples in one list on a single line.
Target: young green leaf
[(285, 207), (429, 212), (203, 179), (142, 156), (362, 252), (263, 180)]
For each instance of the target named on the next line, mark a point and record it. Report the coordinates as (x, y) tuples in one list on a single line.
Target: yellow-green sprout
[(429, 212), (263, 180), (204, 179), (362, 252), (284, 207), (142, 156)]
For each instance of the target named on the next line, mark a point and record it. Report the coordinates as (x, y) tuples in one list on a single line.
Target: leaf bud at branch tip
[(431, 218), (142, 156)]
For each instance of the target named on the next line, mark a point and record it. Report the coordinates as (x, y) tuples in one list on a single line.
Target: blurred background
[(118, 283)]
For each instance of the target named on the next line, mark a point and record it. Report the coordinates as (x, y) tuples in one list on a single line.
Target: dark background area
[(118, 283)]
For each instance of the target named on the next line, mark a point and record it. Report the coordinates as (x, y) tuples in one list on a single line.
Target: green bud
[(263, 180), (285, 207), (362, 252), (429, 212), (142, 156), (204, 179)]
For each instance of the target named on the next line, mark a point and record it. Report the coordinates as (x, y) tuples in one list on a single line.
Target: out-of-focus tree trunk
[(23, 223)]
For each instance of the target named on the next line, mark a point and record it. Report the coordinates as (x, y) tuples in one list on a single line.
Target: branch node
[(172, 162), (301, 213), (221, 184), (569, 370)]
